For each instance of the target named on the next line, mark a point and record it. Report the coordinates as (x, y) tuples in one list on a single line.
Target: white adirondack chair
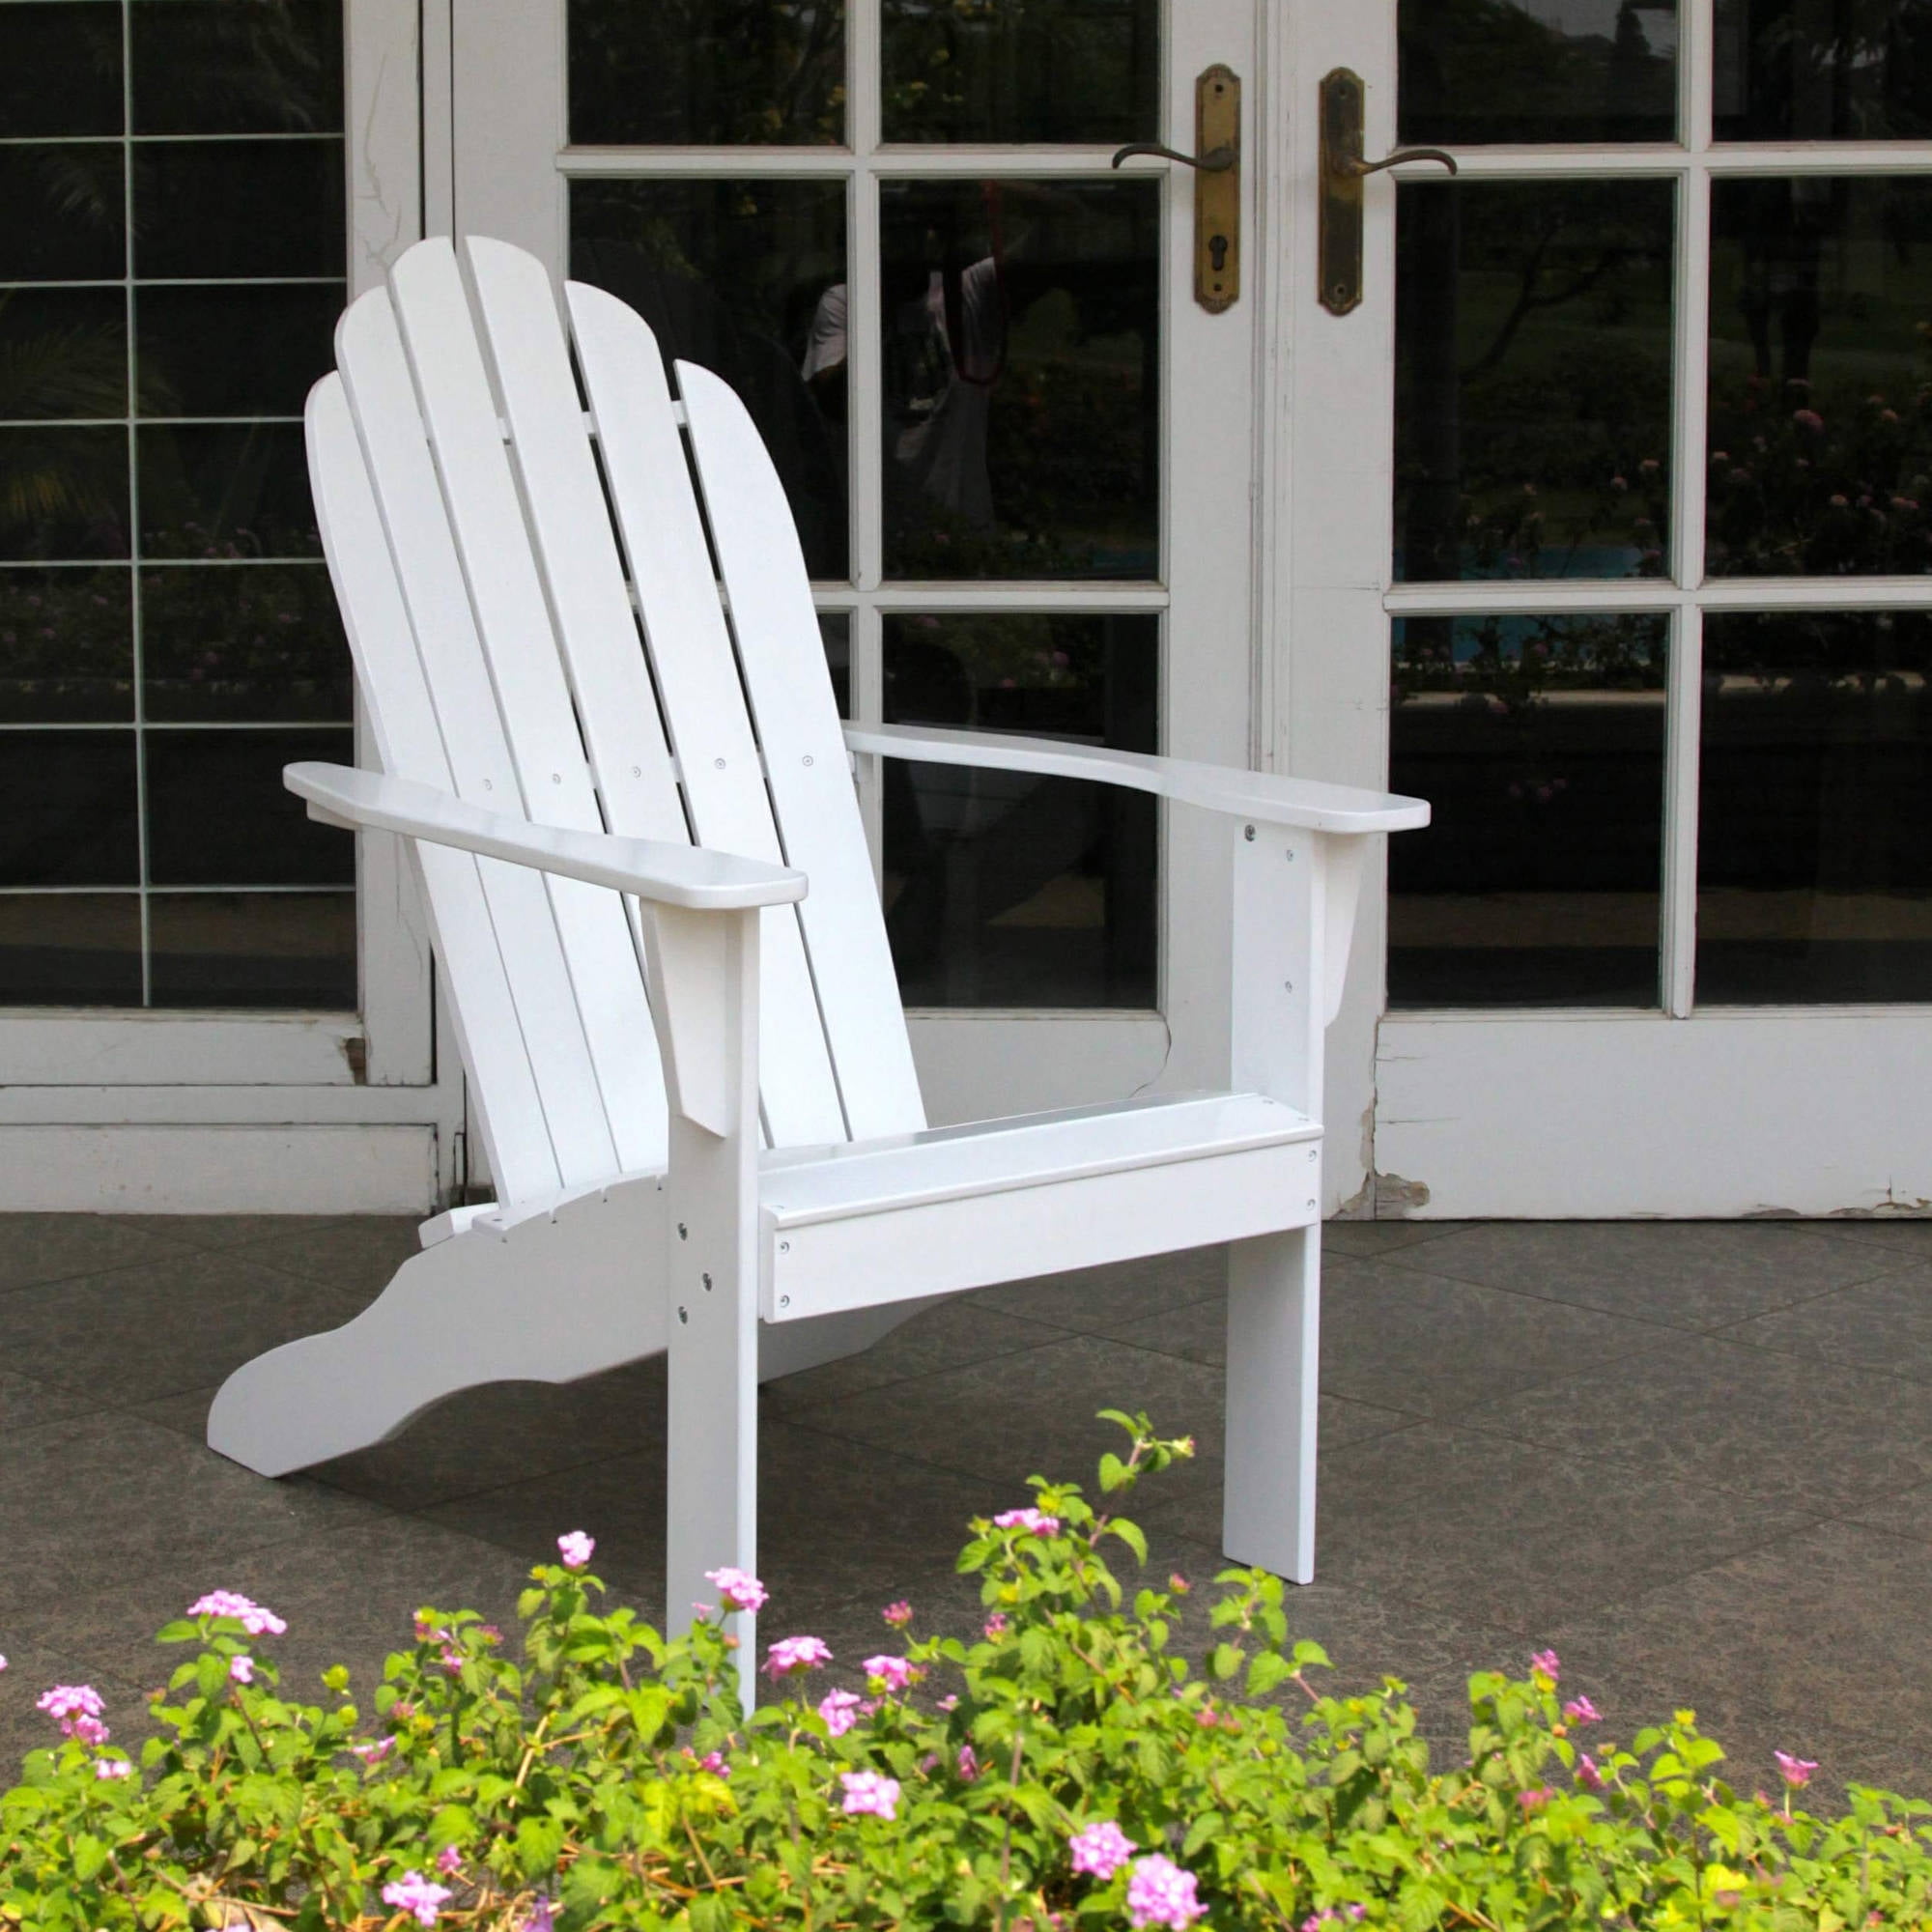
[(578, 798)]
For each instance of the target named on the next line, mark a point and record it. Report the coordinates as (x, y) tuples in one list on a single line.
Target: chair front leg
[(704, 980)]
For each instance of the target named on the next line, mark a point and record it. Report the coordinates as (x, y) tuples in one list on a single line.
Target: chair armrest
[(685, 876), (1305, 803)]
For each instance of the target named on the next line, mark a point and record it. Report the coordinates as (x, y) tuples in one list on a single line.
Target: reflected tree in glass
[(1840, 71), (1533, 379), (1821, 377), (1477, 71)]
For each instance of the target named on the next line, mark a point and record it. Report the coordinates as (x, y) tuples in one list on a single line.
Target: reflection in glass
[(248, 645), (836, 628), (1004, 890), (1823, 69), (1533, 379), (1821, 377), (63, 353), (212, 66), (218, 813), (1475, 70), (62, 493), (225, 490), (63, 210), (253, 950), (1814, 871), (238, 208), (70, 950), (70, 818), (234, 351), (1022, 70), (1538, 743), (1022, 390), (742, 276), (708, 73), (66, 646), (78, 41)]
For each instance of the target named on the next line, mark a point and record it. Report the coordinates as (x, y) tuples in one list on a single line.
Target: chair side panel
[(383, 400), (410, 745), (532, 696), (782, 659), (703, 701)]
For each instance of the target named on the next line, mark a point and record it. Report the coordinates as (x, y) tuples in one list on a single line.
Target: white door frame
[(213, 1112), (511, 173), (1687, 1111)]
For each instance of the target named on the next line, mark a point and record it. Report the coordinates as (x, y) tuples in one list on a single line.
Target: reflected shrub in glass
[(1533, 379), (1538, 743)]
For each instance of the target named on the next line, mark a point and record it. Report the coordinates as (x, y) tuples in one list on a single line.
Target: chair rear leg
[(1274, 1331)]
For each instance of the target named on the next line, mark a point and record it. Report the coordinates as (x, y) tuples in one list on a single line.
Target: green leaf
[(1133, 1535), (88, 1856), (1226, 1659)]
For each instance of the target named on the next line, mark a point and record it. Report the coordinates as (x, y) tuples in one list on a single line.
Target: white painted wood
[(217, 1167), (697, 684), (97, 1052), (186, 1105), (1274, 1352), (782, 659), (675, 876), (1230, 790), (1811, 1111), (477, 758)]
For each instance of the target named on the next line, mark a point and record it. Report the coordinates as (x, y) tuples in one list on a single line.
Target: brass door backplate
[(1217, 191), (1344, 166)]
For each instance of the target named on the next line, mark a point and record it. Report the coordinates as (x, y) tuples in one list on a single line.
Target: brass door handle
[(1217, 185), (1343, 171)]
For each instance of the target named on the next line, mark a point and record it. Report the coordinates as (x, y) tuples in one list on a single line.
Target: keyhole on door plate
[(1217, 253)]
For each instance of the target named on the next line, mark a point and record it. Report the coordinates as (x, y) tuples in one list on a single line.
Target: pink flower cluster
[(840, 1711), (739, 1588), (1035, 1523), (1100, 1850), (1547, 1663), (792, 1654), (1160, 1892), (898, 1614), (250, 1615), (870, 1792), (1796, 1770), (78, 1707), (896, 1673), (420, 1897), (576, 1548), (1587, 1773), (1581, 1711), (1330, 1915)]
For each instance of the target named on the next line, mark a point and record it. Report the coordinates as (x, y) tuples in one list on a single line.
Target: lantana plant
[(1080, 1763)]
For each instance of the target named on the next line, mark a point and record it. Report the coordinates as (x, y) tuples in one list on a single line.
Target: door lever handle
[(1215, 161), (1342, 172)]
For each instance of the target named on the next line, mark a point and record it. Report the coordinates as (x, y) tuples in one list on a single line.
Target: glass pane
[(63, 353), (1823, 69), (1475, 70), (219, 815), (63, 210), (240, 645), (70, 818), (216, 66), (238, 208), (745, 279), (253, 948), (1022, 70), (234, 351), (1532, 378), (1814, 870), (228, 489), (1538, 743), (1004, 890), (707, 72), (70, 950), (66, 646), (1821, 413), (77, 40), (62, 493), (1022, 386), (836, 628)]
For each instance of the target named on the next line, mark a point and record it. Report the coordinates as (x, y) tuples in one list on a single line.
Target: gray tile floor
[(1695, 1458)]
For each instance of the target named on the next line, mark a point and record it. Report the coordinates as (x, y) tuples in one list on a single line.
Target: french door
[(1020, 450), (1638, 580)]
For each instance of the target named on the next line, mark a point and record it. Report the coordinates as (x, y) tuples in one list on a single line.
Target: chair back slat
[(703, 702), (532, 696), (376, 374), (782, 656), (409, 743)]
